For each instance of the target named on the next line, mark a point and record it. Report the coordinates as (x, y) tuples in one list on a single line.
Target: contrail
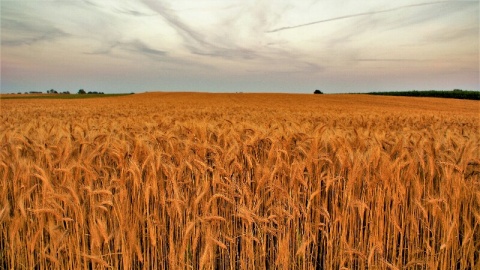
[(354, 15)]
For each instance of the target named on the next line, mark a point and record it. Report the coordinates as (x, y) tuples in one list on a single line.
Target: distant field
[(57, 96), (240, 181)]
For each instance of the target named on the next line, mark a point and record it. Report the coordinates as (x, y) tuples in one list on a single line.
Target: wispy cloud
[(134, 46), (132, 12), (392, 60), (179, 25), (353, 16), (197, 41), (139, 46), (17, 33), (449, 35)]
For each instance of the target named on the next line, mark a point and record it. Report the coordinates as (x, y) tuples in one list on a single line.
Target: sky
[(288, 46)]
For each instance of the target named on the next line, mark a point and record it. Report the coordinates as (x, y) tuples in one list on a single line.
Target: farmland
[(240, 181), (56, 96)]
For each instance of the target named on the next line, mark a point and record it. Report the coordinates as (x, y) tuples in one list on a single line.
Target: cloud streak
[(197, 42), (135, 46), (182, 28), (391, 60), (354, 15), (37, 37), (19, 33)]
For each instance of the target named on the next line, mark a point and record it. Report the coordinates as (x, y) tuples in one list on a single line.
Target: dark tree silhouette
[(318, 92)]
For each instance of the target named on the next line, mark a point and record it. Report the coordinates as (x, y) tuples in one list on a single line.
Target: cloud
[(37, 37), (139, 46), (182, 28), (437, 13), (452, 35), (237, 38), (17, 33), (391, 60), (198, 42), (354, 15), (134, 46), (132, 12), (90, 3)]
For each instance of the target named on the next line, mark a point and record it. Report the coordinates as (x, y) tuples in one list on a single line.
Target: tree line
[(53, 91), (456, 93)]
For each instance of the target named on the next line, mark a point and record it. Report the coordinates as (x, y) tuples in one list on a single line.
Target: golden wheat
[(240, 181)]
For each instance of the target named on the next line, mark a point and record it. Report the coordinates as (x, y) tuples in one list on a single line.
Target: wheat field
[(240, 181)]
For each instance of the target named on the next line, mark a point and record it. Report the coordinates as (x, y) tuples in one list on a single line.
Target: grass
[(226, 181)]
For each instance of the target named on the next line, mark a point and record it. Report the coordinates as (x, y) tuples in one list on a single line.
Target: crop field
[(240, 181)]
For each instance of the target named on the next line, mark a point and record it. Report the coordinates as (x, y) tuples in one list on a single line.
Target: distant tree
[(66, 92), (81, 92), (318, 92)]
